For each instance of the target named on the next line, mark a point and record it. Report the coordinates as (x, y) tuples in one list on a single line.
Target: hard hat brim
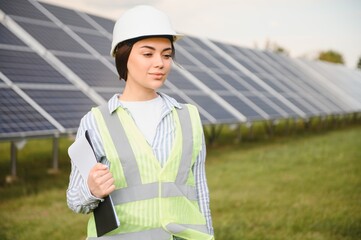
[(176, 37)]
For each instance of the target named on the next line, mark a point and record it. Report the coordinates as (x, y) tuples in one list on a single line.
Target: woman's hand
[(100, 181)]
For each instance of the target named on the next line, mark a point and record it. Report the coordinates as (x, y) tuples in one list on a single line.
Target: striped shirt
[(80, 199)]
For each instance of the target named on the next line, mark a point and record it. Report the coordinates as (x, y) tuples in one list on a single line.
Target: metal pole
[(55, 168), (13, 157), (13, 152)]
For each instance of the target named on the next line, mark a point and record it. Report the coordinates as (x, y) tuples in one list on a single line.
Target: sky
[(302, 27)]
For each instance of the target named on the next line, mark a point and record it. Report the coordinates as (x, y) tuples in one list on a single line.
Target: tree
[(274, 47), (331, 56), (359, 63)]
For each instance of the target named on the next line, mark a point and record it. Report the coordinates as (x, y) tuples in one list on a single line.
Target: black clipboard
[(105, 216)]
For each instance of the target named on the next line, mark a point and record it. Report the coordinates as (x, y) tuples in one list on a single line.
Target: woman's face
[(149, 64)]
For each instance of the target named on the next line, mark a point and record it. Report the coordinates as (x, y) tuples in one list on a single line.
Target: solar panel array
[(55, 65)]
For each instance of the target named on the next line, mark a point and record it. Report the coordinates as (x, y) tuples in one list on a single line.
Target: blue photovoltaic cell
[(303, 96), (234, 80), (181, 100), (230, 80), (348, 81), (262, 103), (276, 59), (183, 43), (307, 80), (181, 58), (243, 108), (208, 80), (203, 48), (107, 24), (98, 42), (261, 65), (275, 85), (67, 16), (108, 95), (18, 116), (67, 107), (300, 105), (200, 44), (28, 67), (236, 54), (210, 51), (180, 81), (53, 38), (8, 37), (245, 62), (274, 79), (213, 108), (92, 71), (290, 83), (251, 82), (22, 8), (202, 58), (283, 106)]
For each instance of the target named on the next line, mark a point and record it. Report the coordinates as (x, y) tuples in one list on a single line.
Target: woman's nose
[(159, 61)]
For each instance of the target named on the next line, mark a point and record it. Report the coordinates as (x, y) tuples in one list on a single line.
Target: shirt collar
[(170, 103)]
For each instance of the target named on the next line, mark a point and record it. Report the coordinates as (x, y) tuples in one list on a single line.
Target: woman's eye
[(147, 54), (167, 56)]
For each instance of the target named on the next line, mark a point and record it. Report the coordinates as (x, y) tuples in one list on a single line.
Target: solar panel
[(215, 74), (107, 24), (65, 69), (333, 78), (23, 9), (98, 41), (91, 71), (278, 80), (67, 16), (65, 106), (53, 37), (28, 67), (8, 38), (322, 94), (314, 97), (180, 82), (213, 108), (18, 117)]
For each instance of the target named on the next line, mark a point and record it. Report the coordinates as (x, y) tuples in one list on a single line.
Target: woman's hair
[(122, 52)]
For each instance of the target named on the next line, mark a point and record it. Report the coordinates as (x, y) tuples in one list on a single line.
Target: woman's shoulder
[(89, 117), (86, 122)]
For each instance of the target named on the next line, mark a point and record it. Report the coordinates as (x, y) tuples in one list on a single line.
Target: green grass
[(302, 187)]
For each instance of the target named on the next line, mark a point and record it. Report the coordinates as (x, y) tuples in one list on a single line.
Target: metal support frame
[(55, 163), (269, 127), (239, 133), (250, 131), (13, 164), (214, 132)]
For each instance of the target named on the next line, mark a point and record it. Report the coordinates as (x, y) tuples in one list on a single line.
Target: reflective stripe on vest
[(128, 160), (151, 190), (159, 233), (152, 202)]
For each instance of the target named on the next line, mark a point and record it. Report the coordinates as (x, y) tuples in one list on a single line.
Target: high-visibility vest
[(152, 202)]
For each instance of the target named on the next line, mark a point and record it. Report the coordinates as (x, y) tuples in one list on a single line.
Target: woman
[(150, 147)]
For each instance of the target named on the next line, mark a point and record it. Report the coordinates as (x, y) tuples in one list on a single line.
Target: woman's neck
[(130, 95)]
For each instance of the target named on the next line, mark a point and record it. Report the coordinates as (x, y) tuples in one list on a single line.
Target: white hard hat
[(141, 21)]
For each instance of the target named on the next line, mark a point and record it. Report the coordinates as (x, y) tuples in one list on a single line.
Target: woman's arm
[(79, 197)]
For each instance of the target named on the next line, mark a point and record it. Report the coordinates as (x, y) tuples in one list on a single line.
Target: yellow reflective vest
[(152, 202)]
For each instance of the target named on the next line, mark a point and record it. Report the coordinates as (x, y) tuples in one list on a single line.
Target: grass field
[(302, 187)]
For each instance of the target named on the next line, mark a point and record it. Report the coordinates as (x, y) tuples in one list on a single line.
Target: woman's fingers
[(100, 181)]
